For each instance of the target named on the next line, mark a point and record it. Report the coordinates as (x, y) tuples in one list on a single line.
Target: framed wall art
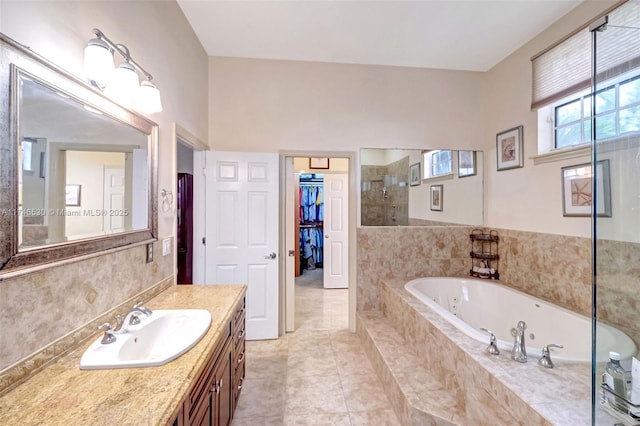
[(578, 191), (435, 199), (414, 174), (72, 195), (509, 149), (319, 163)]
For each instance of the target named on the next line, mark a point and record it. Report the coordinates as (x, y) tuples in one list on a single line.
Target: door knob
[(271, 256)]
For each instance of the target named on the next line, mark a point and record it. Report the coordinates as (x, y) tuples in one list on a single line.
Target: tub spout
[(519, 352)]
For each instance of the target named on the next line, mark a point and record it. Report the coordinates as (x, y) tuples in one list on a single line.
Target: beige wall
[(86, 168), (267, 105), (40, 307), (530, 198)]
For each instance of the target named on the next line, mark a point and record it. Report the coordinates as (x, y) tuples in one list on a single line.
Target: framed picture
[(509, 148), (436, 198), (577, 190), (414, 175), (466, 163), (318, 163), (72, 195)]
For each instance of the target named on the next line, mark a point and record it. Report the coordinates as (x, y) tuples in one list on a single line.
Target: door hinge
[(204, 241)]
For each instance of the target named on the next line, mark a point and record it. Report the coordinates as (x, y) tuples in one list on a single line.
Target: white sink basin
[(158, 339)]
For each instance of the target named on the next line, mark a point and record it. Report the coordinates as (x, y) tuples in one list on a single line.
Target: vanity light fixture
[(121, 83)]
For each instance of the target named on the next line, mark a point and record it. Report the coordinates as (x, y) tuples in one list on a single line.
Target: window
[(437, 163), (617, 113), (562, 93)]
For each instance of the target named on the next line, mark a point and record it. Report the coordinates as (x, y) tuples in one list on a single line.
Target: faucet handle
[(545, 359), (493, 347), (108, 337)]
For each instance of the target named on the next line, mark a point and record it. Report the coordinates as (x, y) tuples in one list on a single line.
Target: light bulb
[(98, 63), (124, 84), (148, 98)]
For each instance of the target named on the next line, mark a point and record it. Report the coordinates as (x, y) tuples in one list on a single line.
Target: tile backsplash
[(39, 308)]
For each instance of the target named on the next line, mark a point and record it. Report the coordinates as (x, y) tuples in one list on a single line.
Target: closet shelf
[(311, 225)]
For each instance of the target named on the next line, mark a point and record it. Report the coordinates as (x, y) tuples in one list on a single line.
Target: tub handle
[(545, 359), (493, 347)]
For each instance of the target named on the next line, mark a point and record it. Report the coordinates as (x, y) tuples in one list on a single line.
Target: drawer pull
[(239, 313), (241, 335), (240, 384), (241, 358)]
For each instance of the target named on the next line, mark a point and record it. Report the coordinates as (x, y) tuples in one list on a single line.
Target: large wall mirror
[(410, 187), (78, 171)]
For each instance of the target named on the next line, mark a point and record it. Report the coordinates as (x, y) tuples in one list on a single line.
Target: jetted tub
[(470, 304)]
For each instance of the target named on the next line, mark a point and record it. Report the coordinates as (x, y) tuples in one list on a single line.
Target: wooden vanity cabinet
[(213, 398), (238, 353)]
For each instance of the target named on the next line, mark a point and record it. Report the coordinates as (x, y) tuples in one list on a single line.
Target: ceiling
[(471, 35)]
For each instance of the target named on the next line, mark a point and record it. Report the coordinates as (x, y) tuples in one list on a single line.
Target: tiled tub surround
[(45, 314), (62, 394), (555, 268), (407, 253), (478, 383), (618, 299)]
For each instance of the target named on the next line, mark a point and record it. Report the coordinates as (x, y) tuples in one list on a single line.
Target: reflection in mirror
[(77, 171), (80, 170), (396, 187)]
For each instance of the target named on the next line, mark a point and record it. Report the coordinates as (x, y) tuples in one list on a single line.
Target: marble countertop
[(62, 394)]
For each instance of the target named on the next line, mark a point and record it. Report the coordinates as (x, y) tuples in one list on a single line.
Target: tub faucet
[(519, 352)]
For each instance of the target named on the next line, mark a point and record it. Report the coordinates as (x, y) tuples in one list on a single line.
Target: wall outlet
[(166, 246), (149, 252)]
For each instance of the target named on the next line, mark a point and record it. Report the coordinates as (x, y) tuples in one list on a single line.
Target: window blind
[(618, 47), (565, 68)]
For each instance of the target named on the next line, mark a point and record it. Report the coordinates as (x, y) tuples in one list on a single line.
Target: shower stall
[(615, 135)]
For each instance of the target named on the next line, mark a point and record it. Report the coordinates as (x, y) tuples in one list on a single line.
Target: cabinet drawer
[(238, 359), (237, 384), (239, 332), (240, 312)]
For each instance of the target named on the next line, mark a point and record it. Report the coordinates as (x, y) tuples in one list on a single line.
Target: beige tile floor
[(317, 375)]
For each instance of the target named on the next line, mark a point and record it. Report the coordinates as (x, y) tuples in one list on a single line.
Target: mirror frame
[(15, 57)]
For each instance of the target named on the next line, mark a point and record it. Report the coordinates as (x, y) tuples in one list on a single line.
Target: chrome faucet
[(519, 352), (133, 317), (545, 361)]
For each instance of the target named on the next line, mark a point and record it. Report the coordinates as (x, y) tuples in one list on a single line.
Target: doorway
[(188, 247), (319, 226), (184, 212)]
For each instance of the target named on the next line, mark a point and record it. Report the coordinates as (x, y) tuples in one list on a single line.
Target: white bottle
[(615, 379), (635, 388)]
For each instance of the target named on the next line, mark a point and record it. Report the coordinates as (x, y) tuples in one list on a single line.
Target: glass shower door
[(615, 104)]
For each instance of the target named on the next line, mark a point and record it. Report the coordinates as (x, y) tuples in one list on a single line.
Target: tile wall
[(552, 267), (392, 210)]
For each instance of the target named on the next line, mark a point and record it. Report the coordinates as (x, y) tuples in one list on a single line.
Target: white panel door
[(113, 199), (336, 231), (242, 232)]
